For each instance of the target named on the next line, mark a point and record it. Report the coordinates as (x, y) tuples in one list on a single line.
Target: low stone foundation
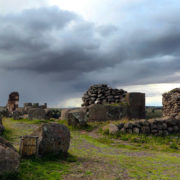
[(158, 127), (99, 112)]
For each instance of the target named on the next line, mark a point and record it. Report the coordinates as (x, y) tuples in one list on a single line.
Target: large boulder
[(77, 118), (36, 113), (9, 158), (53, 138)]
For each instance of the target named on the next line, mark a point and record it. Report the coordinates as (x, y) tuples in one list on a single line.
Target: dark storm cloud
[(59, 54)]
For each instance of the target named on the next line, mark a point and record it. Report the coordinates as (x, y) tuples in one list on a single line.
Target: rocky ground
[(95, 156)]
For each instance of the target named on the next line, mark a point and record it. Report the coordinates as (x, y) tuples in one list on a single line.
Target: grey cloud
[(59, 54)]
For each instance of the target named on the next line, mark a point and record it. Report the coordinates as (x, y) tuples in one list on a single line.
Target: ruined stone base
[(100, 112)]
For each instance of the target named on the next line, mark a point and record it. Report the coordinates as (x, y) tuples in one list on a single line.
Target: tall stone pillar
[(136, 103), (13, 102)]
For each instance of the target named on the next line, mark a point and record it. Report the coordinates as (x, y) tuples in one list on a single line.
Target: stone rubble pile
[(102, 94), (171, 103)]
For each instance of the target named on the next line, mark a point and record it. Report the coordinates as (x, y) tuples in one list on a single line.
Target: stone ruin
[(102, 103), (102, 94), (157, 126), (171, 103), (13, 102), (29, 111), (50, 138)]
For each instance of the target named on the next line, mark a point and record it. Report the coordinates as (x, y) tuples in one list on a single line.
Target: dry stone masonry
[(157, 127), (103, 103), (102, 94), (171, 103)]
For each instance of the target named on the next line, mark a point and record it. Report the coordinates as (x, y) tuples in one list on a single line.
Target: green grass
[(169, 143), (41, 169), (148, 164), (100, 157), (45, 168)]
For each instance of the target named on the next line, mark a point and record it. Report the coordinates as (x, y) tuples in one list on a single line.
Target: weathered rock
[(13, 101), (145, 130), (99, 112), (136, 130), (171, 103), (111, 128), (77, 118), (36, 113), (9, 158), (64, 114), (53, 138)]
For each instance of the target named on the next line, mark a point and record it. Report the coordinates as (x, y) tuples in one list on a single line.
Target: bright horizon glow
[(153, 94)]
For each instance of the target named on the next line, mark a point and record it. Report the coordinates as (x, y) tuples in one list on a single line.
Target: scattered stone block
[(77, 118), (9, 158), (53, 138)]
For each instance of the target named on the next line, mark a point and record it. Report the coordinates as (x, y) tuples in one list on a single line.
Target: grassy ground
[(96, 156)]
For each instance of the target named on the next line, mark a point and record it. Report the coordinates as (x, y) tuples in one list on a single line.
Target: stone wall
[(102, 94), (28, 106), (171, 103), (161, 126), (99, 112)]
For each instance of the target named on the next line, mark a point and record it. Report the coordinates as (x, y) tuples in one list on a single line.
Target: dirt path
[(101, 161)]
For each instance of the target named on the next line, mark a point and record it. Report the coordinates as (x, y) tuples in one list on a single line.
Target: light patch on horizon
[(70, 103), (153, 91), (153, 94)]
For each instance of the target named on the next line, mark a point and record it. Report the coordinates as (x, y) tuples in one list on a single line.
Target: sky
[(53, 50)]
